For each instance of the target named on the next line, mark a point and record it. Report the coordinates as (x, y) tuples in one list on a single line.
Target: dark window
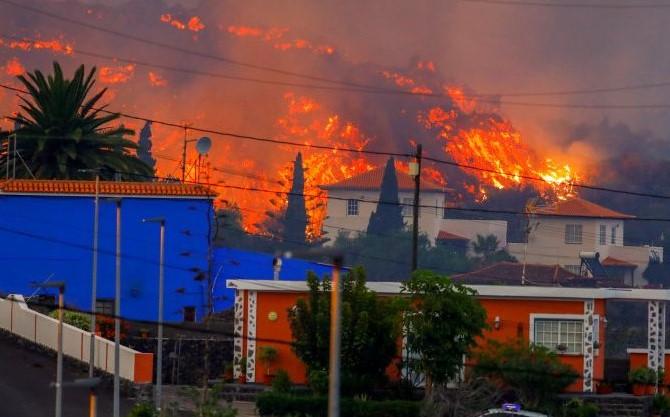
[(104, 306), (189, 314)]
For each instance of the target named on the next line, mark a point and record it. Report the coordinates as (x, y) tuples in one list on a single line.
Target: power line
[(572, 5)]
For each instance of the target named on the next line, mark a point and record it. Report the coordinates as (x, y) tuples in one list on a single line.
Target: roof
[(372, 180), (77, 187), (484, 291), (510, 273), (578, 207), (609, 261), (444, 235)]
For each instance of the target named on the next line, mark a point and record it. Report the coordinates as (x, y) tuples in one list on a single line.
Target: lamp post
[(94, 293), (59, 358), (335, 340), (161, 282), (117, 314)]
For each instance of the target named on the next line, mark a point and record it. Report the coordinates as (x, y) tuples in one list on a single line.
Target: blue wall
[(238, 264), (50, 237)]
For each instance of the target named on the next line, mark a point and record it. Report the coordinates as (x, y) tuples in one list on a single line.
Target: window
[(407, 206), (613, 235), (602, 238), (568, 334), (575, 269), (189, 314), (104, 306), (573, 233), (352, 207)]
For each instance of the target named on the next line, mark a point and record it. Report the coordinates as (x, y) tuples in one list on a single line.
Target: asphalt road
[(25, 376)]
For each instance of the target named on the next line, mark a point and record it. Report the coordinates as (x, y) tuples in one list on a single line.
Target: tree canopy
[(64, 133), (295, 217), (388, 216), (370, 330)]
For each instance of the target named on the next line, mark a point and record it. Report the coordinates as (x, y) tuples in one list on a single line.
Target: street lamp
[(161, 281), (117, 314), (59, 359)]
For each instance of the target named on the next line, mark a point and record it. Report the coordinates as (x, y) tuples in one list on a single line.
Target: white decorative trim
[(483, 291), (656, 334), (662, 306), (238, 332), (251, 336), (589, 309)]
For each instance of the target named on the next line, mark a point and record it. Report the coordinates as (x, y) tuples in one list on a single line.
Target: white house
[(560, 232), (352, 201)]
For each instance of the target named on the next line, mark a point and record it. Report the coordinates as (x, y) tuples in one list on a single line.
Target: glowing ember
[(116, 75), (54, 45), (14, 68), (275, 34), (156, 80), (194, 24)]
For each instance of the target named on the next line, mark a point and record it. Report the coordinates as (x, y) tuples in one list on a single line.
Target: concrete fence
[(17, 318)]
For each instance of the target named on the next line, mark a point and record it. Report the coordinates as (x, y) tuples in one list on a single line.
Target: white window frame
[(602, 237), (613, 238), (407, 206), (577, 238), (353, 207), (566, 317)]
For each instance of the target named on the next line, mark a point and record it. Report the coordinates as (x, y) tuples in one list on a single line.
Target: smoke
[(481, 48)]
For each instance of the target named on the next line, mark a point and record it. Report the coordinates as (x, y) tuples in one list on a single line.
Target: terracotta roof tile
[(444, 235), (372, 180), (510, 273), (106, 188), (609, 261), (578, 207)]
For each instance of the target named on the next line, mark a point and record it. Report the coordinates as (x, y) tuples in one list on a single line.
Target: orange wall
[(514, 315), (639, 360)]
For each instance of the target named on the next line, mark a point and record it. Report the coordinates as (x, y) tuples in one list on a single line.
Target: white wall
[(17, 318)]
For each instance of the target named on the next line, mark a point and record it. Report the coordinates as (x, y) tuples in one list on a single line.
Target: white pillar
[(237, 333), (653, 339), (251, 337), (589, 307)]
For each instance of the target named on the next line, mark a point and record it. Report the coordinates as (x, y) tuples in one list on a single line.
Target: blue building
[(238, 264), (46, 234)]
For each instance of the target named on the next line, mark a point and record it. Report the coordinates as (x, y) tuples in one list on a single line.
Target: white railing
[(17, 318)]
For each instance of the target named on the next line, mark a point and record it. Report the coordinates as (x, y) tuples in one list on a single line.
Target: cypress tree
[(387, 218), (144, 147), (295, 218)]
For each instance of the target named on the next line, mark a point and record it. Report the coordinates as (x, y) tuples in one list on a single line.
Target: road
[(25, 376)]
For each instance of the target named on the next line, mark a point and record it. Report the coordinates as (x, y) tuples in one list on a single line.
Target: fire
[(194, 24), (497, 149), (54, 45), (116, 75), (276, 36), (156, 80), (14, 68)]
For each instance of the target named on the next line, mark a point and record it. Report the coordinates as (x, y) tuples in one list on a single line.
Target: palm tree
[(488, 252), (63, 134)]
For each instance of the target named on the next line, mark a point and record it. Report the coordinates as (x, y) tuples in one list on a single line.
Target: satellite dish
[(203, 145)]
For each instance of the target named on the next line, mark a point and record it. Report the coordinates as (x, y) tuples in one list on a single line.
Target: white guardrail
[(17, 318)]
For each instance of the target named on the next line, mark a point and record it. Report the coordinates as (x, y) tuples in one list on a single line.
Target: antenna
[(203, 145)]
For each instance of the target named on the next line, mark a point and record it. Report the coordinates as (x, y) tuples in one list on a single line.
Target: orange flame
[(14, 68), (156, 80), (55, 45), (116, 75), (273, 34), (194, 24)]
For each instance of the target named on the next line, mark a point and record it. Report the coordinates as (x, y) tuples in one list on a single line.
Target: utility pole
[(117, 315), (335, 339), (94, 293), (415, 169)]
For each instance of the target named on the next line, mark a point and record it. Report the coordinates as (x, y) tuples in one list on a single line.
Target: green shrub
[(642, 376), (533, 372), (74, 318), (142, 410), (660, 404), (578, 408), (318, 382), (284, 405), (282, 383)]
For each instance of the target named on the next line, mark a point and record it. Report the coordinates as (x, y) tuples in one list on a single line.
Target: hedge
[(284, 405)]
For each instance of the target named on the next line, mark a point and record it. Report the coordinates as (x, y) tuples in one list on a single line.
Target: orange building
[(568, 320)]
